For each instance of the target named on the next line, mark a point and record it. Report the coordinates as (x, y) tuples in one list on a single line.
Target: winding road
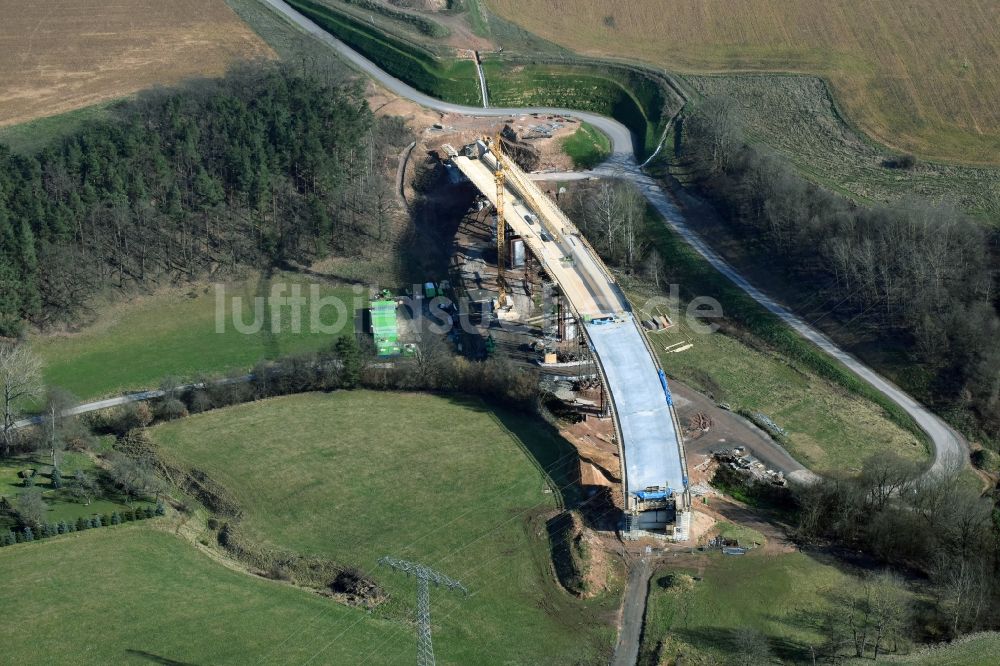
[(949, 448)]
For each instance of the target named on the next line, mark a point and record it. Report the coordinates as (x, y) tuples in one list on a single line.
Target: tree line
[(935, 526), (921, 273), (927, 547), (264, 166)]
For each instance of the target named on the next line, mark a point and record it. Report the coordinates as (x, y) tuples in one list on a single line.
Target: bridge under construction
[(653, 466)]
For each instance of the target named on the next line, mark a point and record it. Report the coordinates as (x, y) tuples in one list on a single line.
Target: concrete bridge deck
[(649, 439)]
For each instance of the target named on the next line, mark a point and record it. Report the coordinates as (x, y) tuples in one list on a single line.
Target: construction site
[(526, 281)]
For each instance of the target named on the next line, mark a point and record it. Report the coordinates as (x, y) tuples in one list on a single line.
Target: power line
[(425, 576), (567, 458), (483, 564), (456, 550)]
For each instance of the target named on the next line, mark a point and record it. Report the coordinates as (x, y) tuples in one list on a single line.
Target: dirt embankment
[(578, 556), (600, 465), (221, 535)]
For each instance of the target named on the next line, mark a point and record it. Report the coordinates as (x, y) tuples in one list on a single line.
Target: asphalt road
[(633, 613), (949, 448), (730, 430), (621, 138)]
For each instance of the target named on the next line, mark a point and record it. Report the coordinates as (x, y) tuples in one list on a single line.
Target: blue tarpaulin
[(666, 389)]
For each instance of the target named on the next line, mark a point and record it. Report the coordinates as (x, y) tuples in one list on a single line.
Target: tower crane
[(498, 176)]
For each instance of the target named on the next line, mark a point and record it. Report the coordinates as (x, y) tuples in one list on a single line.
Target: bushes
[(46, 530), (570, 556), (937, 526), (986, 460), (905, 161), (170, 409), (120, 420), (352, 585)]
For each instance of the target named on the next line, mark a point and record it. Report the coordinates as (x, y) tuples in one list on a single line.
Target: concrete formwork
[(649, 439)]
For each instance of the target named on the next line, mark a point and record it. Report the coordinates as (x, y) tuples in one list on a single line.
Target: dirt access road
[(730, 430)]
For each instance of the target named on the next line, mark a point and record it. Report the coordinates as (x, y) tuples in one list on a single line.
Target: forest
[(920, 275), (263, 167)]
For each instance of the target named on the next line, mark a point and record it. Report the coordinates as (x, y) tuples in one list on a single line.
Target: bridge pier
[(588, 302)]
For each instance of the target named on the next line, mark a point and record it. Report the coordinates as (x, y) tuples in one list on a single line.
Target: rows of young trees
[(264, 166), (44, 530), (923, 273)]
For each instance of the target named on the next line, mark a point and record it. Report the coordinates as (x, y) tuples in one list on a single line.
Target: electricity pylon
[(425, 576)]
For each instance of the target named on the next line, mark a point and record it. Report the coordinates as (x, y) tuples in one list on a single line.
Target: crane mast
[(498, 177)]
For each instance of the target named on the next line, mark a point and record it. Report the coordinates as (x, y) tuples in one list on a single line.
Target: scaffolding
[(384, 331)]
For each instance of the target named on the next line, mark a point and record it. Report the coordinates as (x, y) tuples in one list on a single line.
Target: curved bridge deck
[(650, 445)]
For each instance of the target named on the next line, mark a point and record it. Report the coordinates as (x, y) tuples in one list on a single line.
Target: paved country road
[(949, 448), (633, 613)]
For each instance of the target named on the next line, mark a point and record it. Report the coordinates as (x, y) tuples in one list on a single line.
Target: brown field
[(919, 75), (56, 56)]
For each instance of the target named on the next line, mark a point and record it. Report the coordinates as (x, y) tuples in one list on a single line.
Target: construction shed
[(383, 318)]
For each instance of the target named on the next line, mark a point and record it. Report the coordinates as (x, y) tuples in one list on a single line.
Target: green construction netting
[(384, 327)]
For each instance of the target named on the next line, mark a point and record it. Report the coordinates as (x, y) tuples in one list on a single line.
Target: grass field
[(356, 475), (829, 429), (137, 595), (916, 74), (289, 43), (632, 98), (794, 114), (746, 536), (57, 58), (30, 137), (449, 79), (781, 596), (134, 345), (587, 147), (635, 99), (834, 421)]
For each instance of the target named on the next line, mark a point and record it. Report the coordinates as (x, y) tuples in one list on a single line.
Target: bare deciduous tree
[(884, 475), (20, 380), (58, 427), (751, 648), (878, 614), (653, 266), (136, 476)]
